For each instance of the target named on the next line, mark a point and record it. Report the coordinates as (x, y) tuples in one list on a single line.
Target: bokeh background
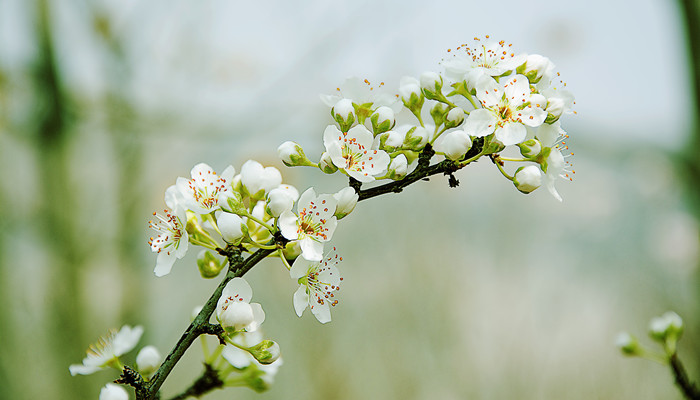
[(477, 292)]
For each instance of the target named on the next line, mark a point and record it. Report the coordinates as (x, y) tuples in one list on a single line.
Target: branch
[(690, 391)]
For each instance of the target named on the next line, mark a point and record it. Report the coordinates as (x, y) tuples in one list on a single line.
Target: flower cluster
[(487, 92), (489, 101)]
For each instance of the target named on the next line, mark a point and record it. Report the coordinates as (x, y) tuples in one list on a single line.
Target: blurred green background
[(476, 292)]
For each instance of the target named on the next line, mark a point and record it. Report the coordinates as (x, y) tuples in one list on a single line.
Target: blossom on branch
[(107, 350), (318, 280), (206, 191), (234, 310), (352, 152), (314, 224)]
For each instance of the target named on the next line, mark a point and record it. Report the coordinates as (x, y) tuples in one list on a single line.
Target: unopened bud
[(527, 179), (231, 226), (347, 200), (669, 325), (438, 112), (292, 155), (530, 148), (411, 94), (627, 344), (343, 113), (416, 138), (209, 266), (431, 83), (113, 392), (148, 360), (454, 117), (382, 120), (266, 352), (535, 67), (454, 145), (237, 315), (326, 164), (398, 168), (281, 199)]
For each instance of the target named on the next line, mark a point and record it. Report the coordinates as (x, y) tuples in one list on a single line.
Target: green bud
[(209, 266), (343, 112), (438, 113), (266, 352), (627, 344), (382, 120), (292, 155), (416, 138), (326, 164)]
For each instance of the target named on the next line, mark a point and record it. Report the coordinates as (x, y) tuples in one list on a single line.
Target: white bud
[(347, 200), (257, 178), (627, 343), (527, 179), (237, 315), (292, 154), (344, 109), (281, 199), (530, 148), (454, 145), (535, 67), (113, 392), (398, 168), (668, 324), (408, 86), (455, 116), (417, 138), (148, 360), (430, 81), (382, 119), (231, 226), (326, 164)]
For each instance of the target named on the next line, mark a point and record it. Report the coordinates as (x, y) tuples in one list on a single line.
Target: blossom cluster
[(489, 101), (486, 92)]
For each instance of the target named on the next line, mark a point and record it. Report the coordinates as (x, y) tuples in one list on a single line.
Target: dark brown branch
[(690, 391)]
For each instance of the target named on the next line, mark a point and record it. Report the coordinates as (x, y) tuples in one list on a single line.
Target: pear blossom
[(231, 226), (234, 310), (292, 155), (172, 240), (256, 178), (362, 92), (108, 349), (352, 152), (206, 191), (551, 137), (507, 110), (559, 101), (113, 392), (483, 58), (536, 68), (314, 224), (398, 167), (318, 280)]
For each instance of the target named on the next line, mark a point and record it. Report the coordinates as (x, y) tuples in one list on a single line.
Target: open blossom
[(108, 349), (507, 109), (352, 152), (555, 165), (314, 224), (234, 309), (257, 178), (206, 191), (172, 240), (318, 280), (483, 58)]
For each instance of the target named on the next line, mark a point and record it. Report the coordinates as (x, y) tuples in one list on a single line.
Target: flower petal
[(301, 300)]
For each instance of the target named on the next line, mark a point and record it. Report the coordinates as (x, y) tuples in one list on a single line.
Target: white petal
[(300, 267), (322, 312), (258, 317), (311, 249), (238, 287), (80, 369), (511, 133), (480, 123), (287, 223), (235, 356), (301, 300), (126, 339), (164, 263)]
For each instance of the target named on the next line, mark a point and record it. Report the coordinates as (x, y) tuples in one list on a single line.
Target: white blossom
[(234, 310), (258, 179), (318, 280), (112, 391), (352, 152), (483, 58), (108, 349), (454, 144), (314, 224), (347, 200), (148, 359), (206, 191)]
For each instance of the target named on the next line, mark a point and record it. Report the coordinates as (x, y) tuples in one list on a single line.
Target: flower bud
[(266, 352), (411, 94), (454, 117), (398, 168), (281, 199), (535, 67), (431, 83), (343, 113), (231, 226), (209, 266), (416, 138), (292, 155), (347, 200), (148, 360), (326, 164), (438, 112), (558, 102), (627, 344), (454, 145), (382, 120), (527, 179), (113, 392), (237, 315), (669, 325), (259, 180), (530, 148)]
